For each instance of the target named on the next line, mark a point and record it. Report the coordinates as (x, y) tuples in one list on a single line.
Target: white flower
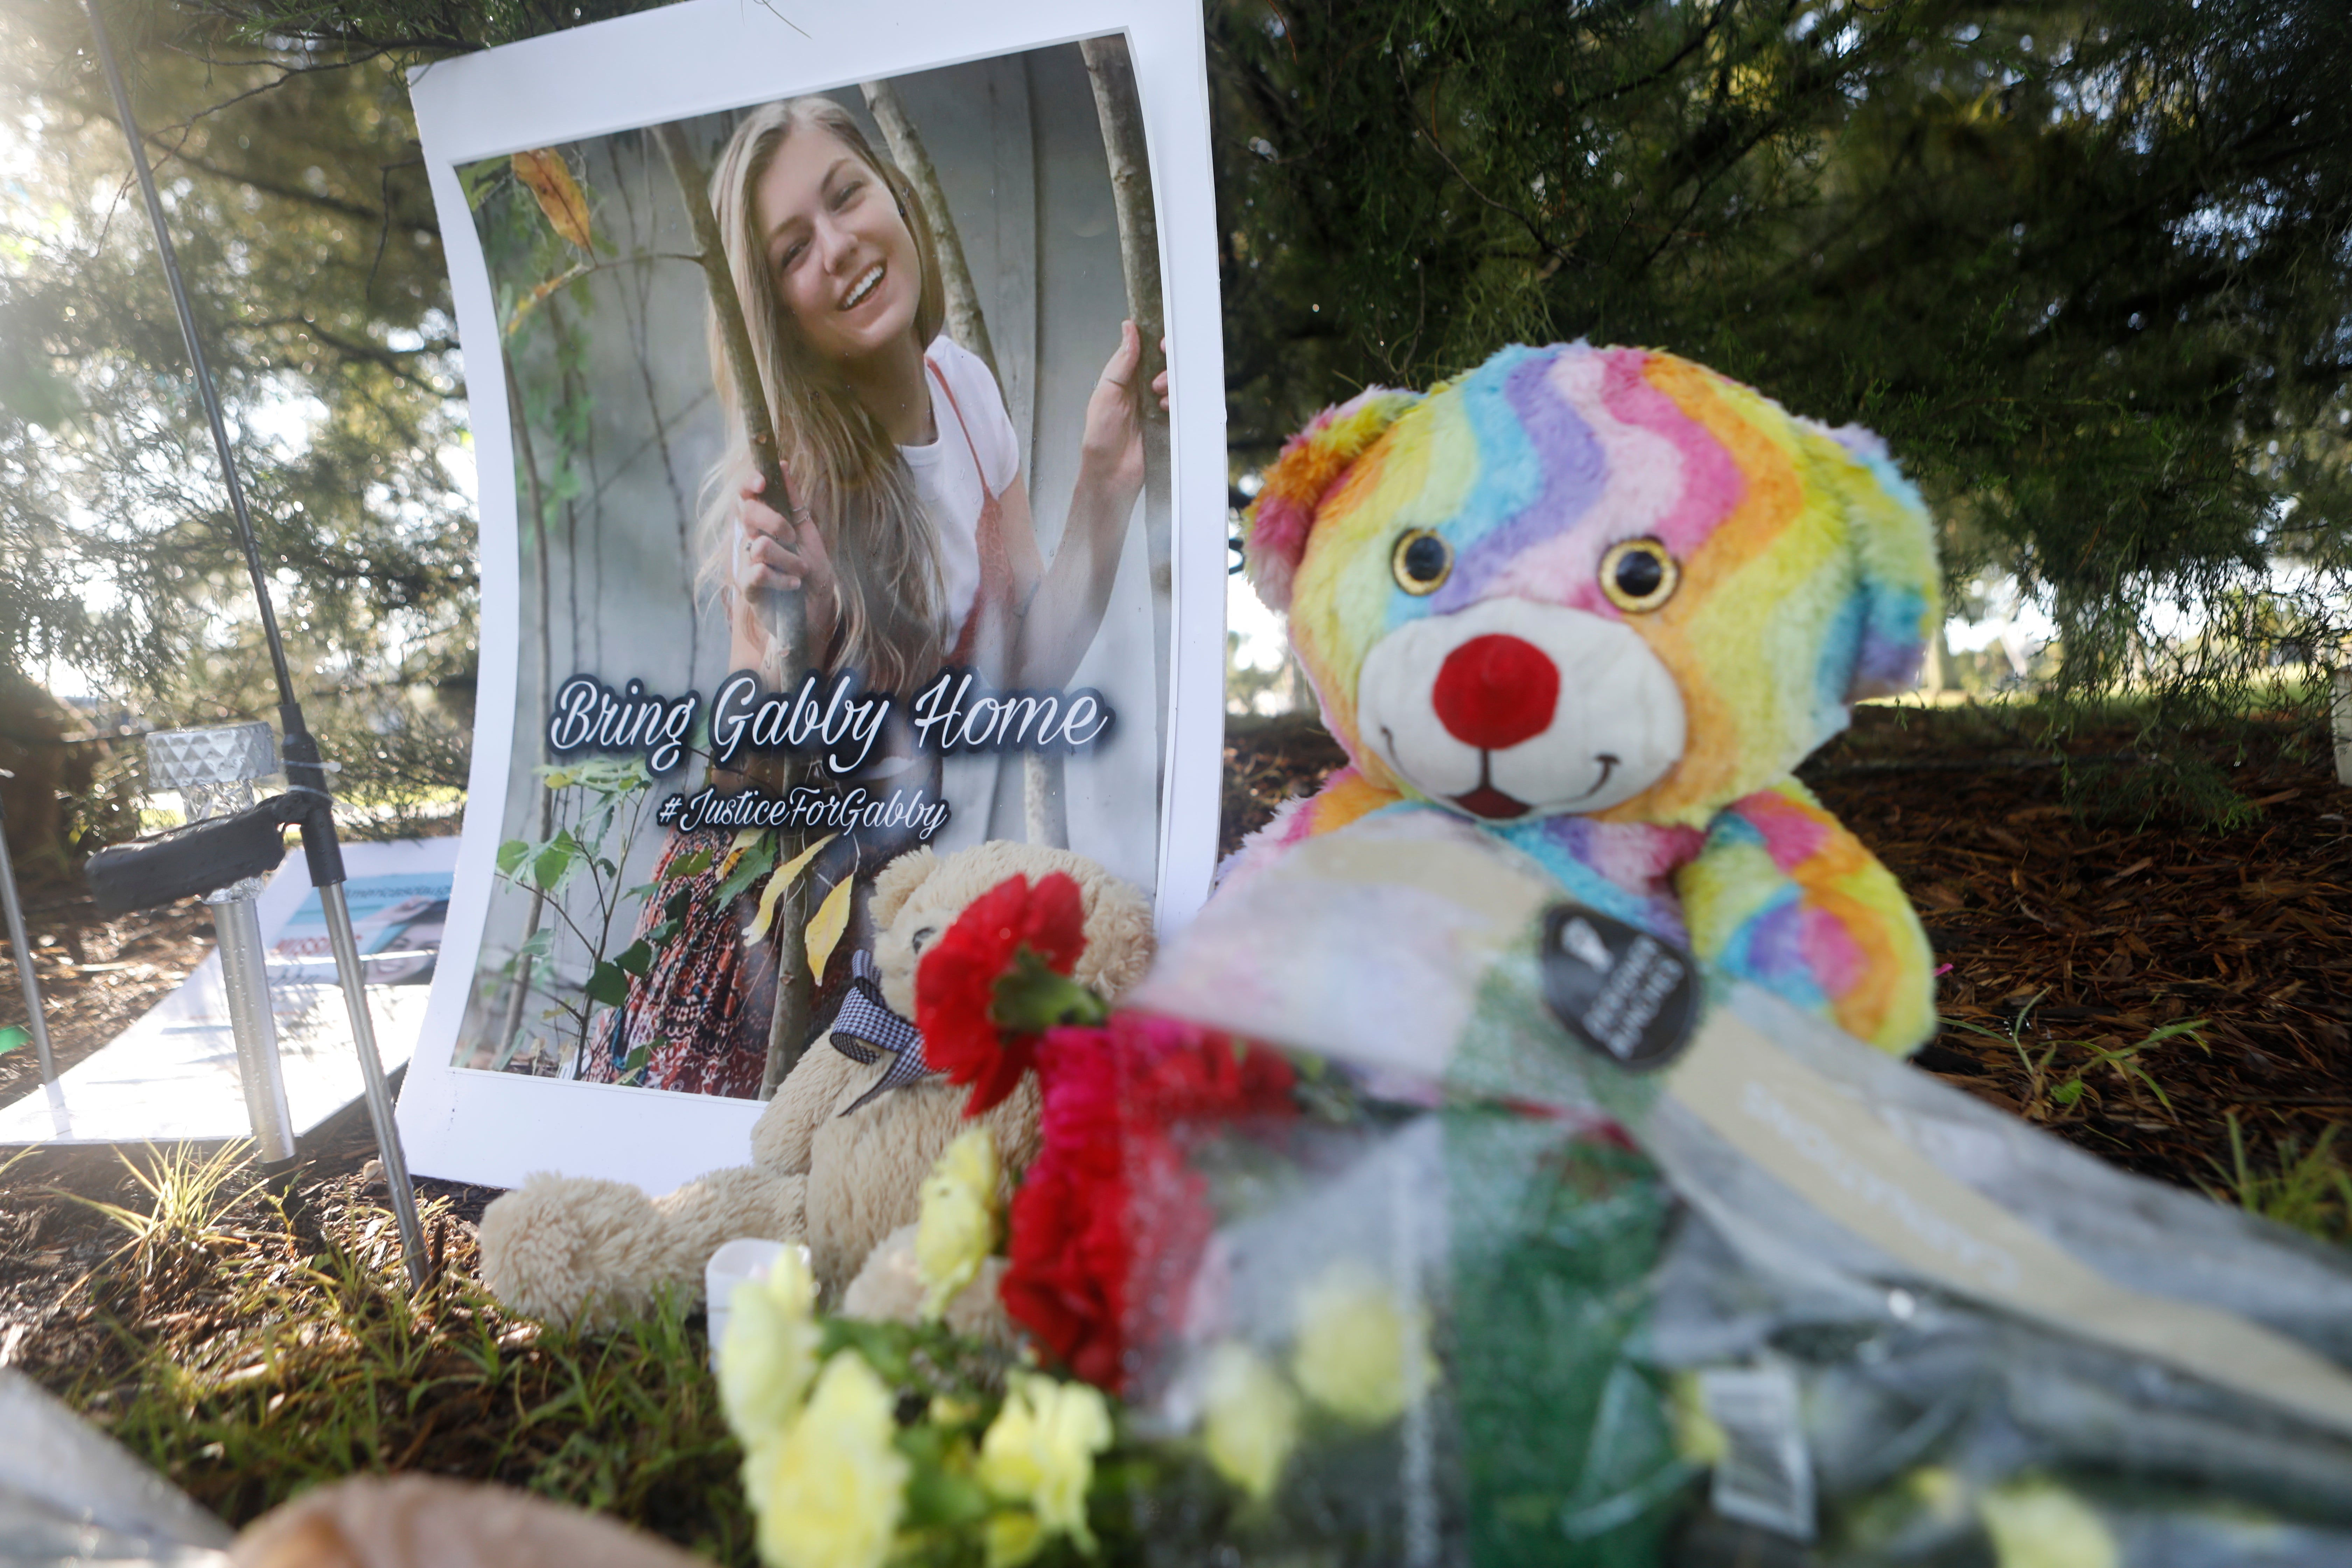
[(958, 1227), (831, 1490), (1252, 1418)]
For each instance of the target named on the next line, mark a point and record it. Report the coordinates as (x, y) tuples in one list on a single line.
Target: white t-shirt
[(943, 471)]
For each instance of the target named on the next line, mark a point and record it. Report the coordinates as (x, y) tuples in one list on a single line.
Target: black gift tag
[(1625, 992)]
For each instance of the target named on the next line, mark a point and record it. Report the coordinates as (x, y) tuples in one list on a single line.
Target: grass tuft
[(2308, 1189), (253, 1354), (169, 1241)]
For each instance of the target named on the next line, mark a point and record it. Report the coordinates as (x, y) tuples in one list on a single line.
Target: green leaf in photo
[(691, 865), (608, 983), (549, 866), (758, 860), (11, 1037)]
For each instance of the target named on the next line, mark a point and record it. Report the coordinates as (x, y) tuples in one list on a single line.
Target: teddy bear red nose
[(1497, 691)]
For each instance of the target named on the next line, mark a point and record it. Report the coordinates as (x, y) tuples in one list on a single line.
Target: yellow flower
[(830, 1491), (1941, 1492), (958, 1226), (1697, 1435), (769, 1357), (1041, 1449), (1358, 1354), (1013, 1537), (1252, 1418), (2040, 1524)]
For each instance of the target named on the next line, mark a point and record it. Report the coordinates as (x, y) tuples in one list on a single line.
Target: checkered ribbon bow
[(866, 1029)]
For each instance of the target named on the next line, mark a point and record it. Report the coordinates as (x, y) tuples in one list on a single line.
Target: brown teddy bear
[(594, 1252)]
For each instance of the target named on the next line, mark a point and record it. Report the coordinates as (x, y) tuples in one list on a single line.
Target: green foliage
[(2310, 1189), (2082, 266), (597, 809), (191, 1194), (2137, 790), (306, 233), (2053, 1090), (758, 860)]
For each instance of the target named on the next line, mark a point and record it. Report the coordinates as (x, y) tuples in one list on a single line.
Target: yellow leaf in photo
[(532, 301), (560, 196), (783, 877), (825, 931), (736, 848)]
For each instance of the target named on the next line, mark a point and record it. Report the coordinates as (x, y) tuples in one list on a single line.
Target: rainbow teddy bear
[(1604, 601)]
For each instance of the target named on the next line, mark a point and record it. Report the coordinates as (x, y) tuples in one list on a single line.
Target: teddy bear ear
[(897, 882), (1312, 462), (1899, 590)]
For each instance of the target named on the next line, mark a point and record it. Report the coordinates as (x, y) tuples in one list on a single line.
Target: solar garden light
[(203, 857), (214, 771), (37, 1024)]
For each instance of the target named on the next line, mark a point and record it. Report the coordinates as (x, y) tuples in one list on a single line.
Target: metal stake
[(253, 1027), (350, 971), (303, 773), (216, 770), (26, 976)]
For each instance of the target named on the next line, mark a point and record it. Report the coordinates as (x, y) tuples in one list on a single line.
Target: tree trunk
[(788, 1025), (966, 325), (1121, 113), (1937, 678)]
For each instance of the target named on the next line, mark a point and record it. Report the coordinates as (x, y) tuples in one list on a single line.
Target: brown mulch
[(2065, 937)]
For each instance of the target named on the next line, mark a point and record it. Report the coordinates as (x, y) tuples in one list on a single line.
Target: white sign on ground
[(172, 1076)]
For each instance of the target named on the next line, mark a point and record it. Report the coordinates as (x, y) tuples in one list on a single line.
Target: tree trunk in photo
[(788, 1026), (966, 324), (510, 1026), (1045, 818), (1121, 113)]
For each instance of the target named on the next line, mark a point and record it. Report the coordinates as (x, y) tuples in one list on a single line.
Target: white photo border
[(699, 57)]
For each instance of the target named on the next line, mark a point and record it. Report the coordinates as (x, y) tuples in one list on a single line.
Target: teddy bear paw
[(573, 1249)]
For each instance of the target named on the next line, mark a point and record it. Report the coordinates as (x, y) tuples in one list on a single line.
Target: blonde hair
[(846, 467)]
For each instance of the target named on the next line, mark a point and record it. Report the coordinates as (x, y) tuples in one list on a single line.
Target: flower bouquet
[(1341, 1246)]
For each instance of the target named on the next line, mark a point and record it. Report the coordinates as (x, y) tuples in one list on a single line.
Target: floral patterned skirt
[(697, 1020)]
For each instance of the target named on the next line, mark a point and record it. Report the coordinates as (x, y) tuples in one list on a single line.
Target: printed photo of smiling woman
[(905, 524)]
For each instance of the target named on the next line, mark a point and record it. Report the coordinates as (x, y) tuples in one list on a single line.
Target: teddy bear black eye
[(922, 937), (1422, 562), (1638, 574)]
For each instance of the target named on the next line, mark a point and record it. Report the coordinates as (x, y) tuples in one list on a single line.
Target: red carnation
[(1110, 1223), (1183, 1073), (993, 983)]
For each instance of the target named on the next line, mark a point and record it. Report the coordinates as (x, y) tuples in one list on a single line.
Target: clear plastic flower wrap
[(1408, 1216), (1444, 1279)]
